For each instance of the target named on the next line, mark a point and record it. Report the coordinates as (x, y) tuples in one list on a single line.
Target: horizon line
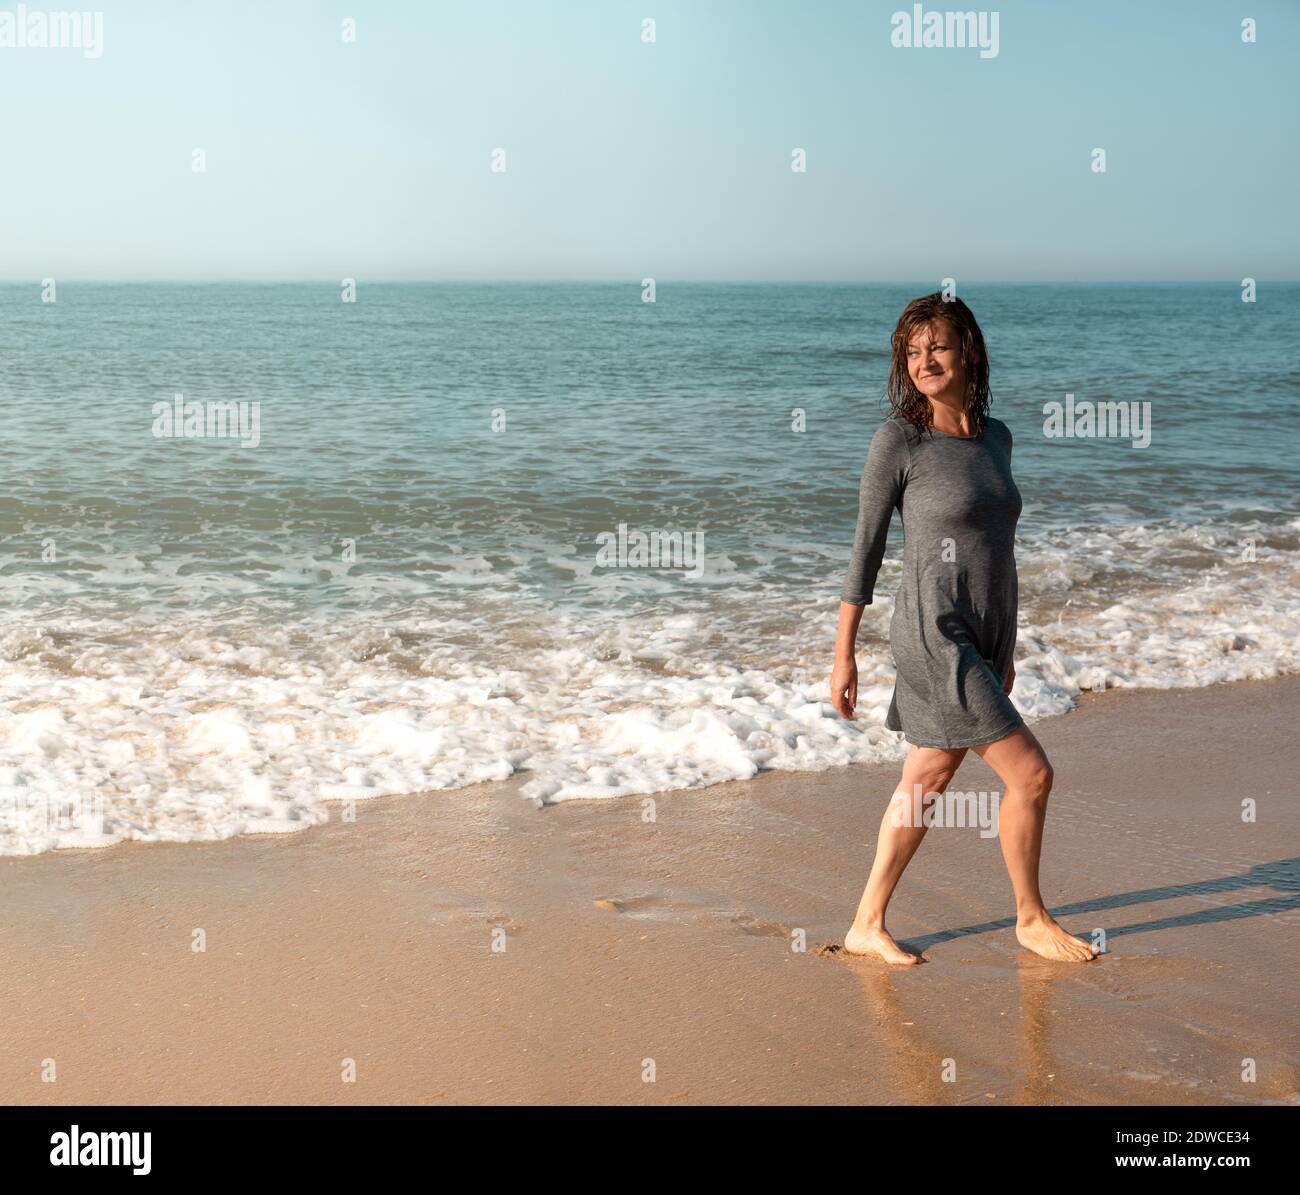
[(334, 282)]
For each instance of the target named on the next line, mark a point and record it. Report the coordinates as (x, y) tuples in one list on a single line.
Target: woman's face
[(934, 362)]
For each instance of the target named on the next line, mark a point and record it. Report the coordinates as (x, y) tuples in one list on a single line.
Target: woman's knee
[(1036, 777)]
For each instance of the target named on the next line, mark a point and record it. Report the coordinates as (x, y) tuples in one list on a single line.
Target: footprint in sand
[(651, 906), (757, 928), (458, 911), (658, 908)]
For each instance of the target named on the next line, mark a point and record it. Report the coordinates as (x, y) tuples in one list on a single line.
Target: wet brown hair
[(905, 400)]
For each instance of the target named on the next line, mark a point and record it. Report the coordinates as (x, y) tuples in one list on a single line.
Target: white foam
[(116, 727)]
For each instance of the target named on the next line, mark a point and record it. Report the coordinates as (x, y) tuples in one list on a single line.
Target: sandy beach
[(464, 946)]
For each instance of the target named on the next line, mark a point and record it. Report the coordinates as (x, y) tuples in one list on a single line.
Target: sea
[(471, 532)]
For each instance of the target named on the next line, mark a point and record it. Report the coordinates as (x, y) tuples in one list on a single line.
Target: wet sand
[(467, 947)]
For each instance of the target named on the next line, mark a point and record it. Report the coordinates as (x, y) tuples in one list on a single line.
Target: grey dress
[(953, 631)]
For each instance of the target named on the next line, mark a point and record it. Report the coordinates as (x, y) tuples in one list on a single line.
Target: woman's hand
[(1009, 683), (844, 676), (844, 685)]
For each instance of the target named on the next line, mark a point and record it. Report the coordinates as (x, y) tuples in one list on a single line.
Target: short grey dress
[(953, 631)]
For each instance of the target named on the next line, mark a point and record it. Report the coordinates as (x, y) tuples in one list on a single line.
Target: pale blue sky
[(670, 160)]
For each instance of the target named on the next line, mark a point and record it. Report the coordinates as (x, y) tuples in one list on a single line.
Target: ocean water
[(400, 586)]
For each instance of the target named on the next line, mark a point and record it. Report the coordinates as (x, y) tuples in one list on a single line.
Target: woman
[(945, 464)]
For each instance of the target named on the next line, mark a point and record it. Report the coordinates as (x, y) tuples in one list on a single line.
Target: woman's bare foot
[(877, 942), (1045, 937)]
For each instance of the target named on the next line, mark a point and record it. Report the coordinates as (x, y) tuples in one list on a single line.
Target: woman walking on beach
[(945, 464)]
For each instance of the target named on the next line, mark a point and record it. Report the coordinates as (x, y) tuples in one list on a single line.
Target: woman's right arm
[(844, 675), (880, 492)]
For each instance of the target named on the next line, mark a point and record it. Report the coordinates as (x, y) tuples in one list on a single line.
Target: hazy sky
[(671, 160)]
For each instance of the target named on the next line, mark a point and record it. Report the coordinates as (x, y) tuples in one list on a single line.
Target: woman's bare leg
[(931, 768), (1026, 776)]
